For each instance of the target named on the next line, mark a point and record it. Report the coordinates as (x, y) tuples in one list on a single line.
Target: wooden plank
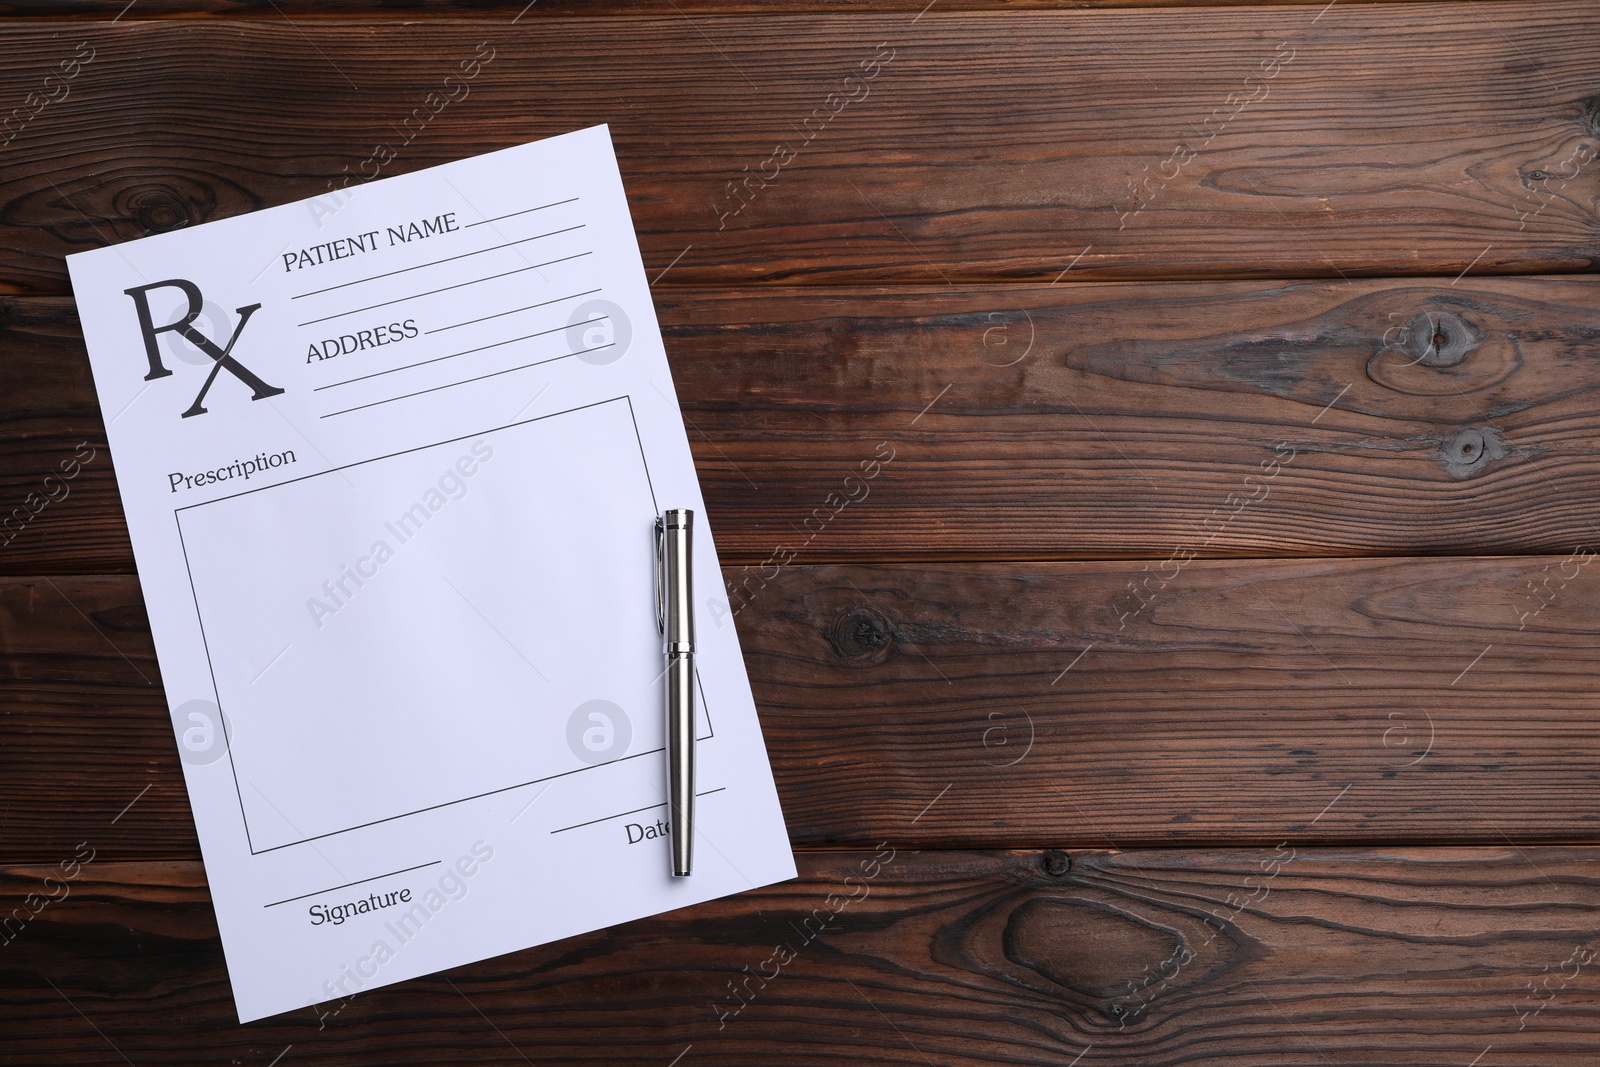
[(1237, 957), (1415, 700), (1088, 421), (519, 10), (1266, 142)]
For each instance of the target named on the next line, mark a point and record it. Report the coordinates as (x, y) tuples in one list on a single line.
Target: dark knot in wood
[(1437, 339), (1055, 863), (1110, 957), (158, 211), (862, 636), (1427, 356), (1470, 451)]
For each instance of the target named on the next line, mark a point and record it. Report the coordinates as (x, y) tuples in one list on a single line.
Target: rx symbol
[(222, 356)]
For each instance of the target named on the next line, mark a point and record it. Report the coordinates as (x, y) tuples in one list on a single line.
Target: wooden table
[(1206, 675)]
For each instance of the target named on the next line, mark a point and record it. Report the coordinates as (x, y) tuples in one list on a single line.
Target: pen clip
[(661, 589)]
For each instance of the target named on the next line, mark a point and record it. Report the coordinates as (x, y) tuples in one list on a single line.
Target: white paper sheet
[(391, 459)]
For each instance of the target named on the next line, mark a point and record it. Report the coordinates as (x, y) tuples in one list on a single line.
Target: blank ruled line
[(468, 381), (608, 818), (513, 311), (347, 885), (436, 262), (635, 811), (524, 211), (445, 289), (453, 355)]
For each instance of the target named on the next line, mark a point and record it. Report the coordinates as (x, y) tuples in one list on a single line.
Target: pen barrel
[(677, 554), (680, 759), (677, 631)]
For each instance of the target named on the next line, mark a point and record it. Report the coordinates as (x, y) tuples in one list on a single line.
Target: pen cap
[(677, 552)]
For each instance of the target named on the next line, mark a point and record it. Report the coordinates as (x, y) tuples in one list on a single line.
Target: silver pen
[(675, 616)]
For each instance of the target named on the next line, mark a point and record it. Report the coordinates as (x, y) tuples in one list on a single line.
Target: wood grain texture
[(1242, 958), (521, 9), (1422, 700), (1391, 138), (874, 370), (1120, 420)]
